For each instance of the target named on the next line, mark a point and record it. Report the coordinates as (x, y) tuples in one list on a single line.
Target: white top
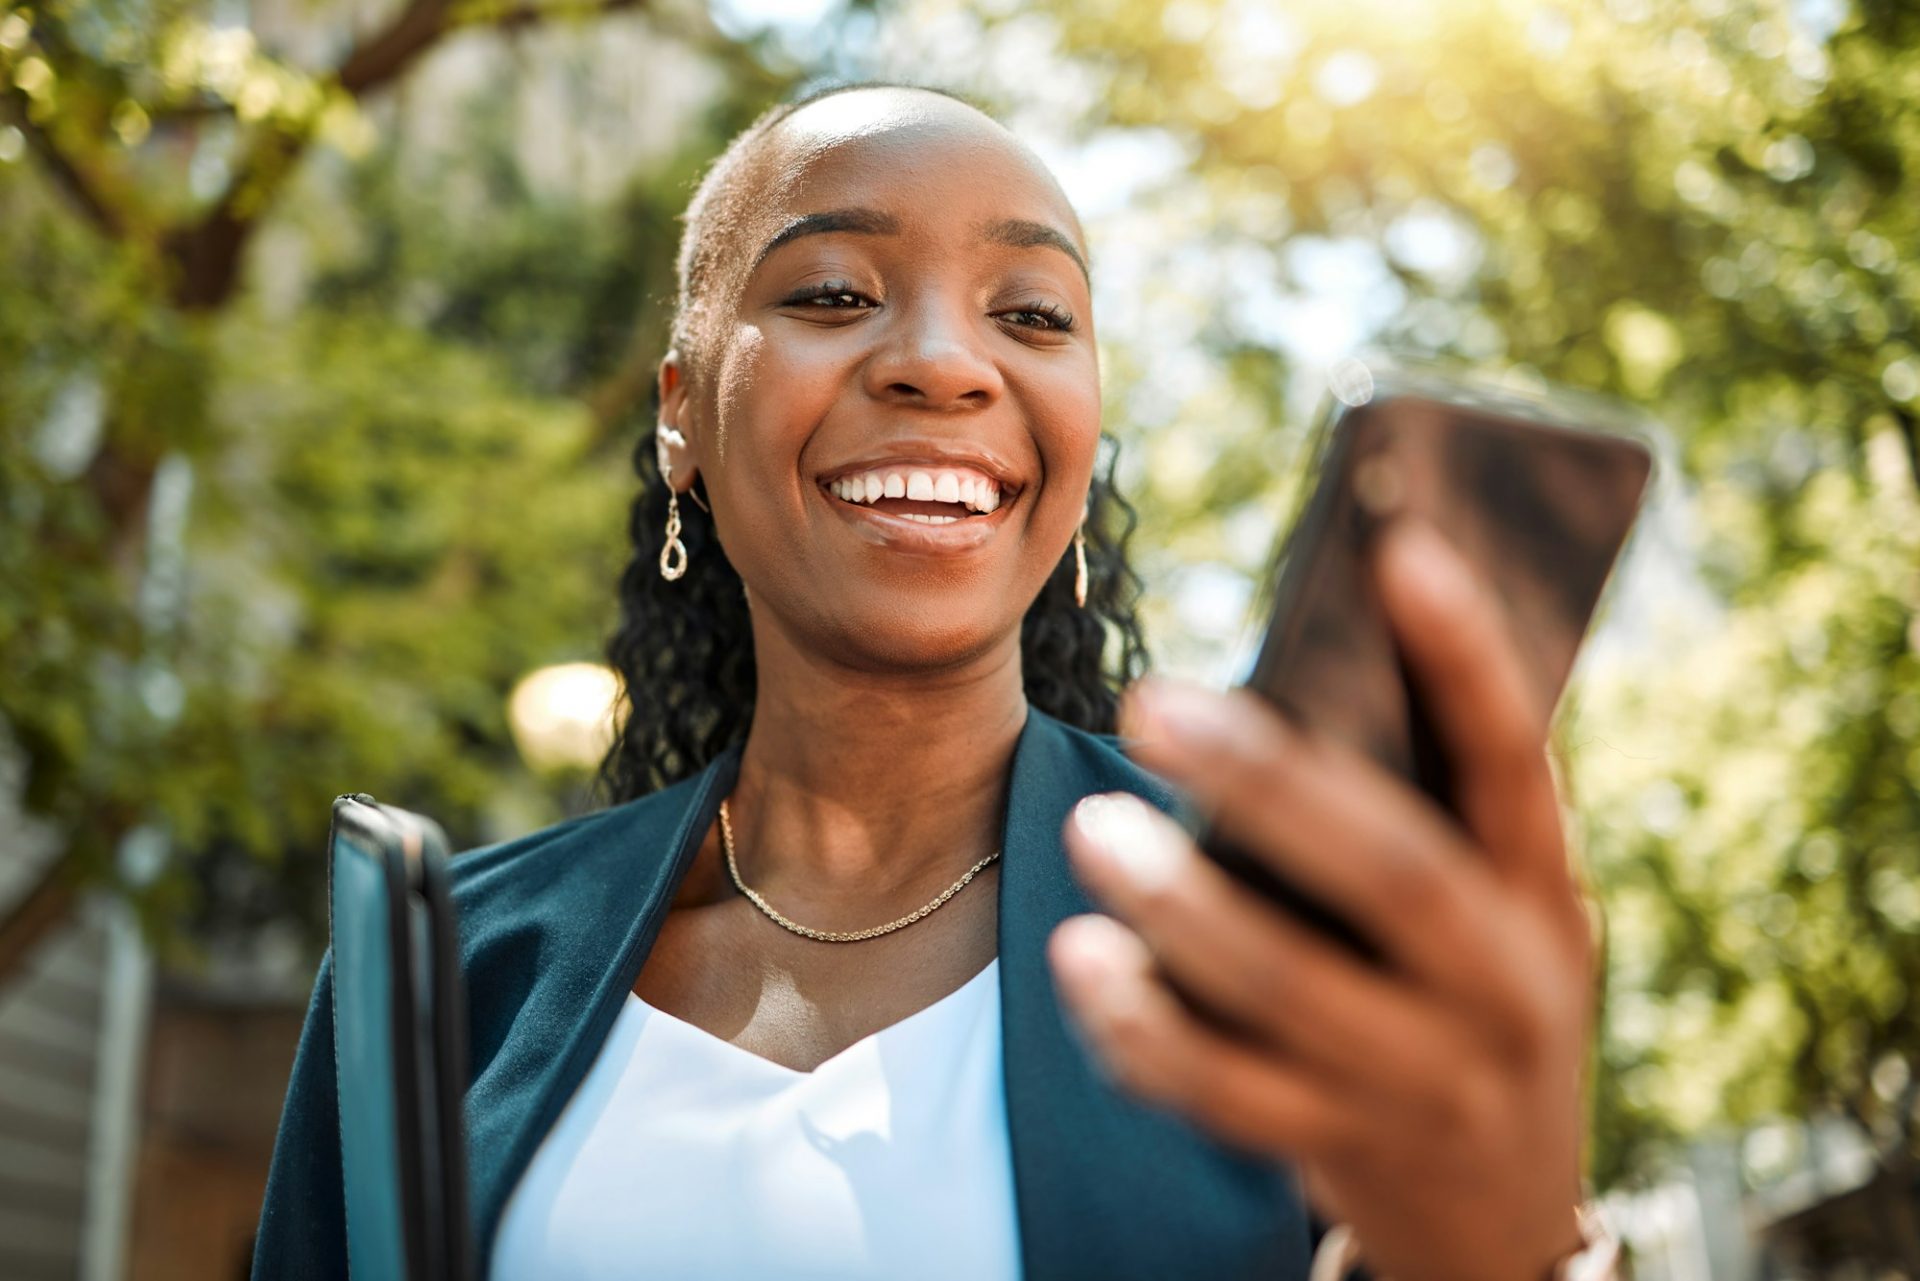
[(683, 1155)]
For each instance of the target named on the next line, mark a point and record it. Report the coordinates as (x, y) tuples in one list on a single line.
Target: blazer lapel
[(1106, 1187), (600, 896)]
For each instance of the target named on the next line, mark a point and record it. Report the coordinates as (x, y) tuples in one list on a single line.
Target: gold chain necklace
[(835, 936)]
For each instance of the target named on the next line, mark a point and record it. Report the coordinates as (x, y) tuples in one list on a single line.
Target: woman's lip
[(900, 534)]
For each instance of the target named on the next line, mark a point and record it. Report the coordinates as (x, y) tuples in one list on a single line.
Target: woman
[(820, 994)]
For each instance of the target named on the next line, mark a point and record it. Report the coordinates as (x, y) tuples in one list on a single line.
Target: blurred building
[(1822, 1207), (72, 1031), (137, 1108)]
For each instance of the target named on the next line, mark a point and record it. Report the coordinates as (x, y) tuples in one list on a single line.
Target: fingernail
[(1085, 958), (1085, 978), (1171, 710), (1077, 954), (1122, 834)]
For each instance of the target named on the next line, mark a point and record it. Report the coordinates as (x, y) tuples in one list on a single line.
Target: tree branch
[(209, 251), (47, 905), (75, 183), (1904, 419), (421, 25), (384, 56), (188, 111)]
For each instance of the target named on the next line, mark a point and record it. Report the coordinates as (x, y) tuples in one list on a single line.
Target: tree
[(339, 515)]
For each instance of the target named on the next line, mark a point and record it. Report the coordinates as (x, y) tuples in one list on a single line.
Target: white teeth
[(964, 486)]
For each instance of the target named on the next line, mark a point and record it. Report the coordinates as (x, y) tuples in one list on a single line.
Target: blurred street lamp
[(562, 717)]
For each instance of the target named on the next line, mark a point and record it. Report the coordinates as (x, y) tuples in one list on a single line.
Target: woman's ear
[(675, 454)]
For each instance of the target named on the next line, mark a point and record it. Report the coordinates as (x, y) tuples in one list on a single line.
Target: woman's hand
[(1433, 1102)]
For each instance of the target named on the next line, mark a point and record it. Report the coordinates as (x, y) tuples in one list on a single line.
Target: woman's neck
[(881, 782)]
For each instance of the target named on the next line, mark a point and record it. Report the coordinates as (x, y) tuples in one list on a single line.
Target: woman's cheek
[(737, 373), (776, 394), (1067, 431)]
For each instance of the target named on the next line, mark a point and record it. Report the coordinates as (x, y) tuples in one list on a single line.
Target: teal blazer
[(556, 924)]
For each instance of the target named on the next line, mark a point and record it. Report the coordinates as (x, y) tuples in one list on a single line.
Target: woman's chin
[(929, 640)]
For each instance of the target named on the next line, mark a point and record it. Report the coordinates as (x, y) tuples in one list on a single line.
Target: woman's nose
[(934, 357)]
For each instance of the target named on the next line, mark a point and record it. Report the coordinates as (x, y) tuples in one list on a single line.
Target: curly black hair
[(684, 649)]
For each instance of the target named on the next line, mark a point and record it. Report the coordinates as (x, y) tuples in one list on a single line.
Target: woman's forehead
[(919, 156)]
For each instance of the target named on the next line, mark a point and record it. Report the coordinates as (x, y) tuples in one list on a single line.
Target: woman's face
[(897, 403)]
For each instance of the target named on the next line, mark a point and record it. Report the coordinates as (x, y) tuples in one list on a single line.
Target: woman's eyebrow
[(1019, 233), (869, 221)]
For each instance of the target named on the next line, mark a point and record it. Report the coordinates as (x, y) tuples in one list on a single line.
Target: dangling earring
[(1080, 564), (673, 556)]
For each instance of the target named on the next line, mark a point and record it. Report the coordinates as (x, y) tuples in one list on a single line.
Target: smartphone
[(1532, 489), (400, 1043)]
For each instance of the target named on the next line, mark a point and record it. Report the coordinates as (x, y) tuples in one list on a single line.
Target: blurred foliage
[(316, 418), (403, 374), (1759, 866), (1707, 208)]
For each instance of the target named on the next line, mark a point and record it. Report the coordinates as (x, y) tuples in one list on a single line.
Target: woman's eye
[(1042, 316), (840, 296), (830, 297)]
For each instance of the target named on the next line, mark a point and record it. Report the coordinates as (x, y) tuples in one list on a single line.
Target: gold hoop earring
[(673, 556), (1080, 565)]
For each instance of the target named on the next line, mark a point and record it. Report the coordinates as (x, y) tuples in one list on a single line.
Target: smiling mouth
[(926, 495)]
